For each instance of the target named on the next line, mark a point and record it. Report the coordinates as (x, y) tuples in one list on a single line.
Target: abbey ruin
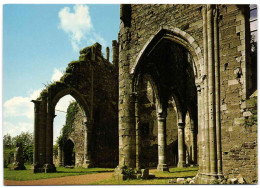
[(180, 90)]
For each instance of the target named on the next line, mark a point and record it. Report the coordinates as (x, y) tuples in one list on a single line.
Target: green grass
[(22, 175), (160, 177)]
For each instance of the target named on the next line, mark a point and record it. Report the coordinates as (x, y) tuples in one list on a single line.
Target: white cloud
[(22, 108), (79, 27), (57, 74), (76, 24), (17, 128), (18, 106), (64, 102)]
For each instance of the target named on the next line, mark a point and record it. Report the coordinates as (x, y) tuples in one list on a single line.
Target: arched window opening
[(69, 123)]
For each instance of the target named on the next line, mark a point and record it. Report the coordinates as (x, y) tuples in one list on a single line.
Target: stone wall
[(92, 81), (78, 137), (228, 39)]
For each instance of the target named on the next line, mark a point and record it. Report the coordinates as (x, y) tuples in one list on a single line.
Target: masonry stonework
[(92, 81), (208, 46), (180, 92)]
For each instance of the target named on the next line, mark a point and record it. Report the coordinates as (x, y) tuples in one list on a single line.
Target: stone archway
[(161, 76), (45, 115), (201, 69), (84, 81)]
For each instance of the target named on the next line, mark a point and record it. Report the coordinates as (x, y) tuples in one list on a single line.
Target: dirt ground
[(69, 180)]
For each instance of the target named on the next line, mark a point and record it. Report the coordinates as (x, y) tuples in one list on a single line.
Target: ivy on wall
[(72, 110)]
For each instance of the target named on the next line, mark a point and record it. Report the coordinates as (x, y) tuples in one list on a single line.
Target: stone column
[(181, 145), (115, 54), (193, 146), (206, 166), (126, 107), (107, 53), (211, 91), (49, 166), (162, 144), (42, 131), (63, 156), (88, 163), (60, 156), (138, 137), (200, 125), (217, 88), (36, 136)]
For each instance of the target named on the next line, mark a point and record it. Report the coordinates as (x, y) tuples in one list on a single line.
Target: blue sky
[(38, 43)]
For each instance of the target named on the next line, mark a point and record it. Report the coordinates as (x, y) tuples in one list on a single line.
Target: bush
[(28, 154)]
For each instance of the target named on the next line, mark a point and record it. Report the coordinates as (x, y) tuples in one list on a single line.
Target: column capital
[(51, 115), (161, 116), (36, 105)]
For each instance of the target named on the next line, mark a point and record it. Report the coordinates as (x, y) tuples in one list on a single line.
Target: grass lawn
[(22, 175), (160, 177)]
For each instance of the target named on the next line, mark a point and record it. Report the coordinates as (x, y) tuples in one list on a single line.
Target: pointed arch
[(176, 35), (76, 95)]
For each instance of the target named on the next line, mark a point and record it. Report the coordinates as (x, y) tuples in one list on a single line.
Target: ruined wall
[(239, 141), (93, 82), (141, 22), (104, 133), (78, 136)]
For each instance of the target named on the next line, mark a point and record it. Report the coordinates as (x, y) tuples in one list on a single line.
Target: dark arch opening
[(72, 119), (171, 66), (69, 153)]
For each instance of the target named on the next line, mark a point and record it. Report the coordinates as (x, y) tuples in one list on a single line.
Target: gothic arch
[(176, 35), (76, 95)]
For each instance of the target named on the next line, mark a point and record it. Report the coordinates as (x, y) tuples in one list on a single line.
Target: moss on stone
[(72, 110)]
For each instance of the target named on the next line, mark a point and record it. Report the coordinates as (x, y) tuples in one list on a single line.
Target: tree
[(25, 138), (28, 154), (7, 141)]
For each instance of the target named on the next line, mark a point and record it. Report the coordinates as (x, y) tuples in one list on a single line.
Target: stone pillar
[(36, 162), (49, 166), (42, 131), (205, 96), (162, 144), (126, 107), (107, 53), (200, 125), (138, 137), (63, 156), (217, 89), (211, 91), (60, 156), (181, 145), (88, 162), (193, 146), (115, 54)]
